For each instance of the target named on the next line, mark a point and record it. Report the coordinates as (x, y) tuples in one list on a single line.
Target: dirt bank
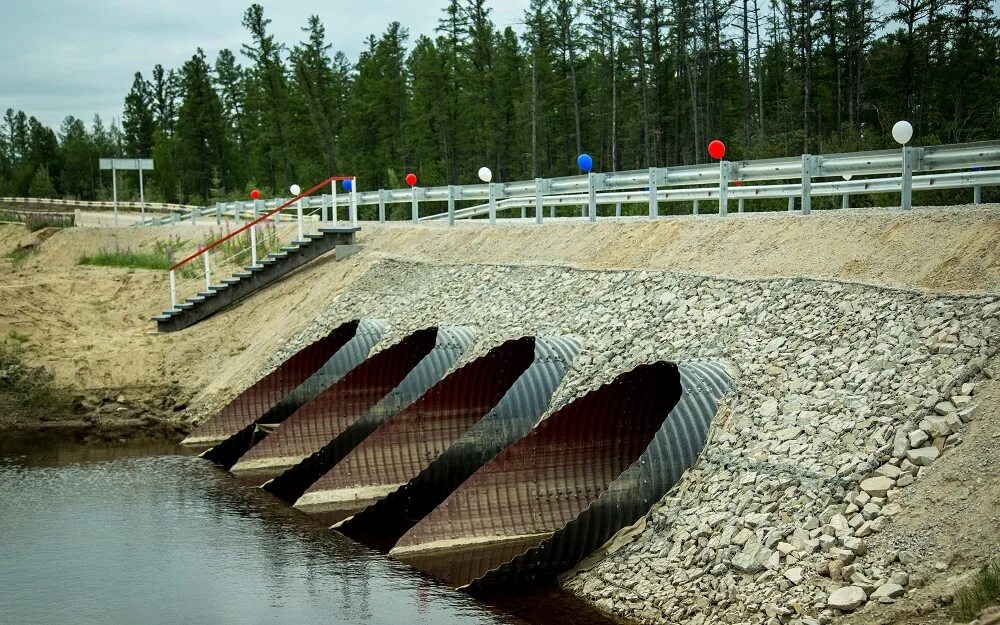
[(90, 325)]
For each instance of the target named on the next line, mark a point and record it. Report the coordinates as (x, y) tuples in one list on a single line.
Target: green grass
[(159, 258), (127, 258), (27, 391), (38, 221), (981, 591), (21, 254)]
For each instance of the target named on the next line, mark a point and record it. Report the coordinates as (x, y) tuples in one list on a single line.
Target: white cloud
[(66, 57)]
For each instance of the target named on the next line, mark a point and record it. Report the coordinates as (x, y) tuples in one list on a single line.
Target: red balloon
[(411, 179), (716, 149), (255, 194)]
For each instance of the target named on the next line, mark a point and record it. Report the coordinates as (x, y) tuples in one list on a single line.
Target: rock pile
[(846, 394)]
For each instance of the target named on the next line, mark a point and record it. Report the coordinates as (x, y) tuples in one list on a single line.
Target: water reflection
[(170, 539)]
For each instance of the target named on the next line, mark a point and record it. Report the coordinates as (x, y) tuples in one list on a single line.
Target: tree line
[(635, 83)]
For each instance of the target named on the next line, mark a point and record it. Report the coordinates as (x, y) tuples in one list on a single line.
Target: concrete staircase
[(252, 279)]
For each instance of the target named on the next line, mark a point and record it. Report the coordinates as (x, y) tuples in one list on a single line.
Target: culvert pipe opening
[(326, 429), (384, 522), (541, 483), (408, 442), (259, 409)]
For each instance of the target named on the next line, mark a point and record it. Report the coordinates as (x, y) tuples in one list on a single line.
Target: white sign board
[(127, 163)]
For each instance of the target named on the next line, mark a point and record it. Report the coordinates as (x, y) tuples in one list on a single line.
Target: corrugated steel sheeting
[(321, 433), (406, 444), (263, 394), (578, 478), (309, 380), (385, 521)]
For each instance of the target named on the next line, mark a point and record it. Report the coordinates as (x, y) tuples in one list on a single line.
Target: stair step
[(278, 255), (209, 293), (195, 299), (242, 274), (334, 230), (185, 306), (302, 243), (290, 248), (267, 262), (315, 237), (231, 281), (254, 268)]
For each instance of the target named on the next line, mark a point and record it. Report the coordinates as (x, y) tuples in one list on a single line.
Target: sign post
[(134, 164)]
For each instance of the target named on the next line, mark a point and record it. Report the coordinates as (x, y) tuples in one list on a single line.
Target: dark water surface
[(145, 536)]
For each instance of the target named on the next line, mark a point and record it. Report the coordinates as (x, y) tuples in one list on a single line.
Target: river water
[(145, 536)]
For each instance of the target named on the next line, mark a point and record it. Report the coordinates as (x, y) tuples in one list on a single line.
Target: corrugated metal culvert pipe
[(320, 433), (256, 411), (509, 387), (381, 524), (593, 467)]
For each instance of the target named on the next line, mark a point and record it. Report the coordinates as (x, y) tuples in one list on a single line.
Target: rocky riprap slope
[(845, 395)]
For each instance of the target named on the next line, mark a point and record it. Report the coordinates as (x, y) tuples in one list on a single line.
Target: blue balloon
[(347, 185), (585, 162)]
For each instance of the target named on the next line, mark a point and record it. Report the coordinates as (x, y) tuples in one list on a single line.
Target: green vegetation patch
[(982, 590), (160, 258), (38, 221), (27, 391)]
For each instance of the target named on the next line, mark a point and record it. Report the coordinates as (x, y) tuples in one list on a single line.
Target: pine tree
[(138, 121)]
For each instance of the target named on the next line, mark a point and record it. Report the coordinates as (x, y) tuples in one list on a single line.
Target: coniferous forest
[(633, 82)]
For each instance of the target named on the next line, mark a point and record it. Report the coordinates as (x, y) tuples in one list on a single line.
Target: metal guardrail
[(88, 204), (718, 182)]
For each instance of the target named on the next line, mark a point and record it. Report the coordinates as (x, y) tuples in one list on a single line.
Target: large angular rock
[(847, 599), (877, 486), (924, 456), (887, 591)]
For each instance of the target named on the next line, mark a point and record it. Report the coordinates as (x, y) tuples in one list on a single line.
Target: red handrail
[(258, 220)]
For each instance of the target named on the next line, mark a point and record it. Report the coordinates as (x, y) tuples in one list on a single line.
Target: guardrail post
[(353, 209), (218, 214), (451, 205), (493, 203), (414, 205), (807, 160), (175, 218), (253, 245), (977, 195), (194, 216), (740, 205), (381, 206), (208, 272), (845, 201), (173, 290), (723, 188), (618, 209), (277, 214), (333, 201), (791, 203), (298, 217), (592, 183), (695, 207), (237, 213), (906, 183), (654, 205), (258, 209), (539, 205)]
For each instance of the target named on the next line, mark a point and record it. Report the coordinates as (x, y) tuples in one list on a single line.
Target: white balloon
[(485, 174), (848, 176), (902, 132), (295, 189)]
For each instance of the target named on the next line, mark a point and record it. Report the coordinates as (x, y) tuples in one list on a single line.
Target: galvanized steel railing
[(713, 182)]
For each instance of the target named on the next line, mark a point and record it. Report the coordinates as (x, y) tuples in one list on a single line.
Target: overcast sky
[(73, 57)]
